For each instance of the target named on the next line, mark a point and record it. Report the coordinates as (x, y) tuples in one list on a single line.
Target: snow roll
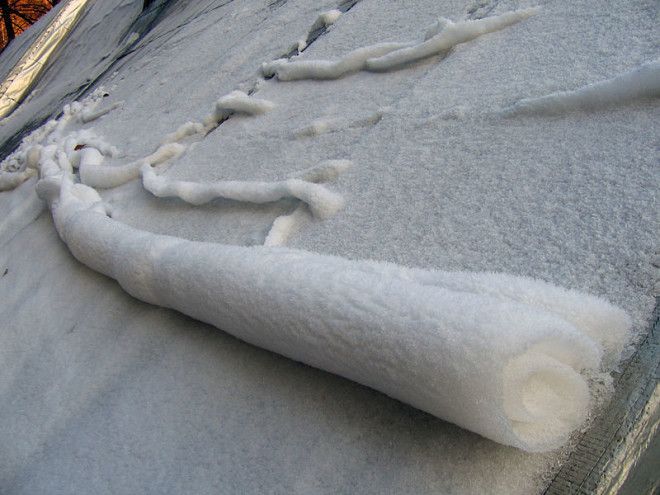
[(507, 368)]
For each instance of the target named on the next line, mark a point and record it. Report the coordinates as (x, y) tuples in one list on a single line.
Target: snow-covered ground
[(458, 161)]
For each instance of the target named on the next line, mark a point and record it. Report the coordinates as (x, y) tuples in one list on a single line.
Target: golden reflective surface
[(19, 81)]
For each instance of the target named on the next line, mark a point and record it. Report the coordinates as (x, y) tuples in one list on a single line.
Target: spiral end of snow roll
[(545, 398)]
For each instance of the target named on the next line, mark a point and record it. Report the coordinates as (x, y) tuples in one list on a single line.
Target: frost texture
[(641, 82)]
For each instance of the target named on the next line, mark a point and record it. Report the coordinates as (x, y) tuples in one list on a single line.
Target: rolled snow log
[(641, 82), (93, 173), (505, 370), (604, 323)]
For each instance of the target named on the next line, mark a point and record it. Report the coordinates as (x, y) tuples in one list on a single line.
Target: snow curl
[(236, 102), (322, 202), (327, 69)]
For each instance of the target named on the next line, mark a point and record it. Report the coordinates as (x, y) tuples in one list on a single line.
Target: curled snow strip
[(505, 370), (285, 226), (185, 130), (286, 70), (451, 34), (322, 202), (641, 82), (97, 175), (237, 102), (326, 19)]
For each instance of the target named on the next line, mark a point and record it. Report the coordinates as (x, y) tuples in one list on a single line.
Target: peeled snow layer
[(506, 370), (641, 82)]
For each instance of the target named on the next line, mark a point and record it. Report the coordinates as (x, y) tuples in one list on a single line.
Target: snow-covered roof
[(275, 170)]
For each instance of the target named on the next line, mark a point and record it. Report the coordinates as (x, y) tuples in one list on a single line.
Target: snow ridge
[(641, 82)]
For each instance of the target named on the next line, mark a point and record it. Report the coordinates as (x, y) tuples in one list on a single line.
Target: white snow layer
[(641, 82), (441, 37), (507, 357)]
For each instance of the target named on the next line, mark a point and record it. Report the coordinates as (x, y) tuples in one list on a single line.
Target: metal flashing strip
[(21, 78)]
